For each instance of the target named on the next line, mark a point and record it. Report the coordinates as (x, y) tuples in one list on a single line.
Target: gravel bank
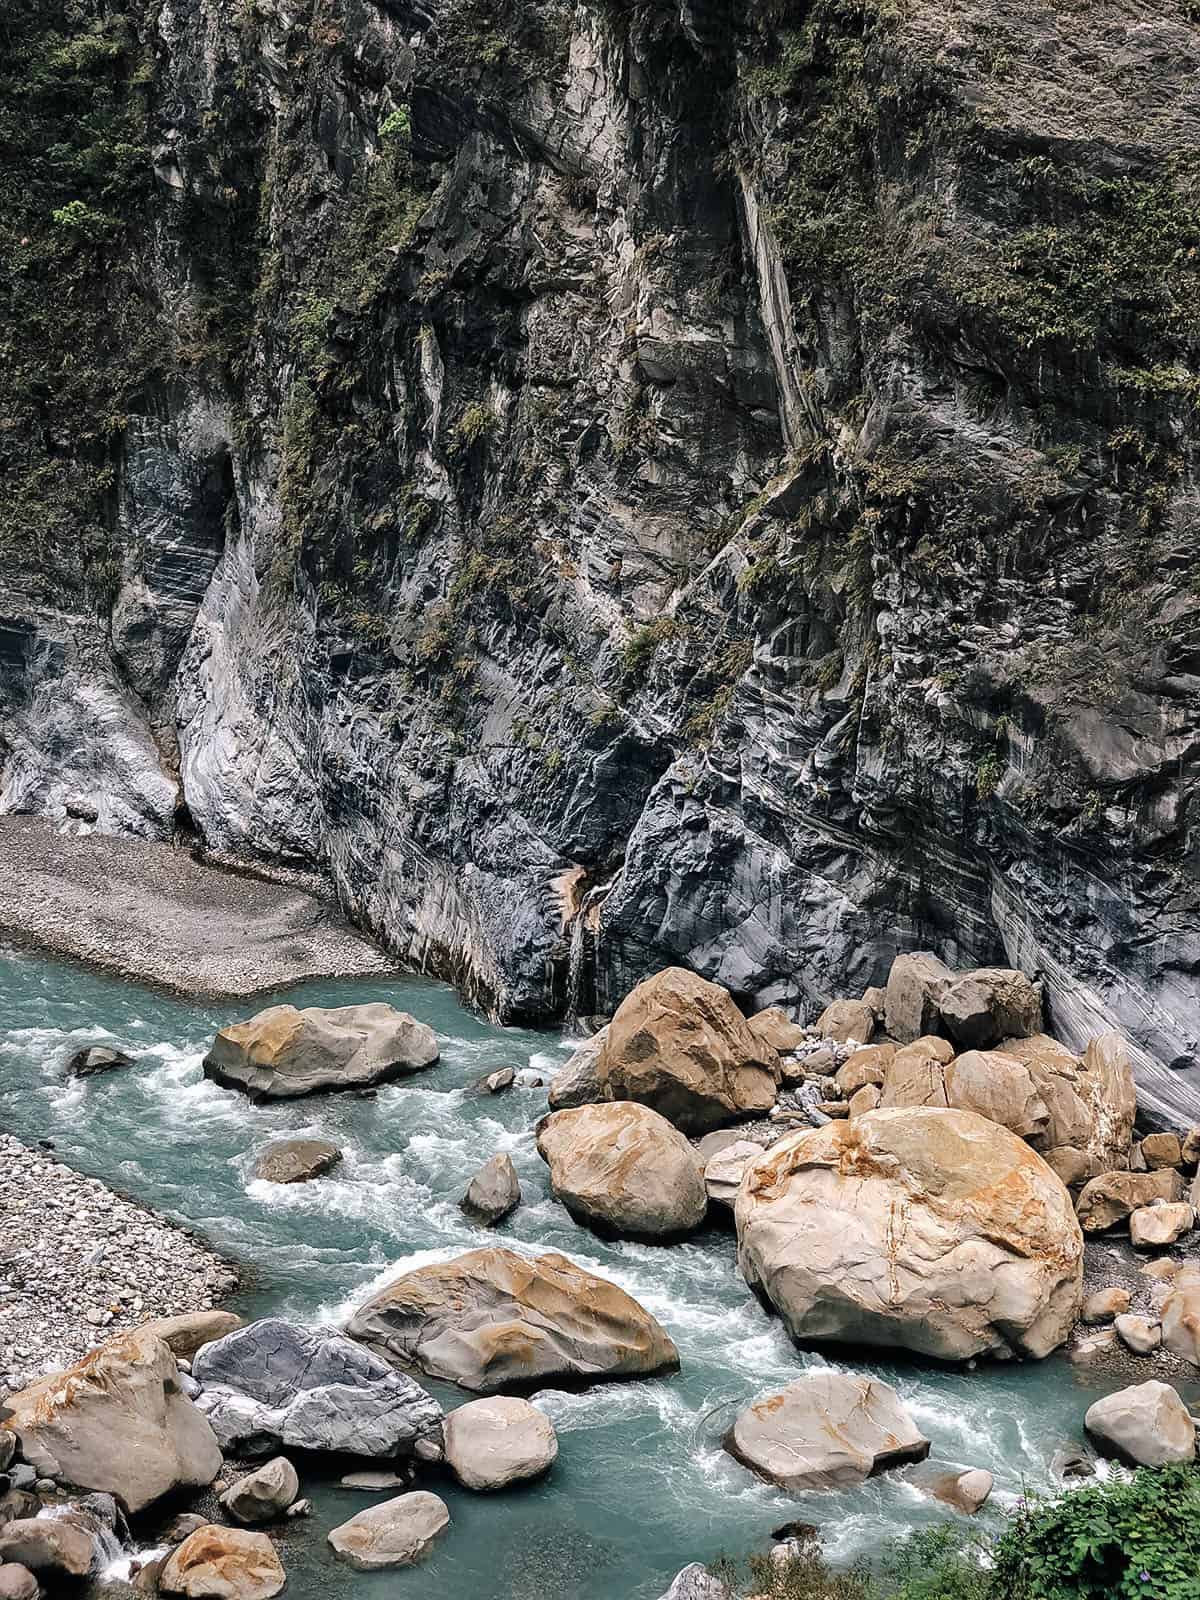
[(153, 913), (78, 1263)]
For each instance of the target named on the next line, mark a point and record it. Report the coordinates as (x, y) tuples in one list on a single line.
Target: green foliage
[(641, 647), (396, 128), (938, 1563), (987, 775), (90, 224), (477, 422)]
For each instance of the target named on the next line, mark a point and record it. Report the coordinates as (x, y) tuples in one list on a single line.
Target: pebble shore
[(79, 1263)]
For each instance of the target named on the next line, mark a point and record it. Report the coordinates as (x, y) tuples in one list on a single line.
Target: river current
[(641, 1486)]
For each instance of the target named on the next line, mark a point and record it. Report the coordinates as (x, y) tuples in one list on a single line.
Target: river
[(641, 1485)]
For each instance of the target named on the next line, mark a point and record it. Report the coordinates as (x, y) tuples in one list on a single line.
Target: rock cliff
[(623, 483)]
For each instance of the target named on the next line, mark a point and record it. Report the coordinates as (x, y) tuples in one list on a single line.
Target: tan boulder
[(393, 1534), (217, 1563), (681, 1046), (1146, 1425), (1189, 1148), (1161, 1150), (979, 1008), (283, 1052), (999, 1088), (264, 1494), (916, 1075), (1104, 1305), (185, 1334), (865, 1099), (57, 1551), (724, 1170), (1181, 1315), (117, 1422), (577, 1082), (1138, 1334), (911, 1007), (776, 1030), (490, 1319), (936, 1231), (824, 1431), (1110, 1198), (866, 1066), (623, 1168), (297, 1160), (843, 1020), (500, 1440), (1155, 1227)]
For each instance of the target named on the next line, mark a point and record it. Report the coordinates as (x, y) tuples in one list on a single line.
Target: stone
[(936, 1231), (185, 1334), (999, 1088), (911, 1007), (493, 1193), (696, 1582), (492, 1319), (844, 1020), (283, 1052), (980, 1008), (8, 1449), (16, 1505), (52, 1548), (495, 1082), (972, 1489), (1161, 1150), (117, 1421), (17, 1582), (1181, 1315), (776, 1030), (1138, 1334), (1104, 1305), (723, 1171), (1153, 1227), (374, 1482), (500, 1440), (577, 1081), (273, 1385), (1164, 1267), (297, 1160), (96, 1058), (865, 1099), (393, 1534), (1109, 1199), (1189, 1149), (824, 1431), (679, 1044), (184, 1524), (145, 1578), (1146, 1425), (916, 1075), (1091, 1103), (264, 1494), (217, 1563), (623, 1168), (866, 1066)]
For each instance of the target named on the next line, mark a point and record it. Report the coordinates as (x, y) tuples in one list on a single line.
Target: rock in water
[(265, 1494), (501, 1440), (494, 1192), (273, 1385), (680, 1045), (622, 1167), (577, 1081), (491, 1319), (55, 1550), (933, 1230), (297, 1160), (283, 1052), (393, 1534), (17, 1582), (1147, 1425), (117, 1421), (96, 1058), (826, 1430), (216, 1563)]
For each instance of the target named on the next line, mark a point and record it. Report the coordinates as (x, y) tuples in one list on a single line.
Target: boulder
[(17, 1582), (982, 1007), (844, 1020), (185, 1334), (117, 1421), (283, 1052), (393, 1534), (911, 1002), (1138, 1334), (500, 1440), (577, 1081), (723, 1172), (297, 1160), (696, 1582), (863, 1100), (1161, 1150), (916, 1075), (681, 1046), (217, 1563), (265, 1494), (96, 1058), (493, 1193), (183, 1525), (972, 1489), (8, 1449), (624, 1169), (999, 1088), (777, 1031), (273, 1385), (495, 1082), (1104, 1305), (866, 1066), (824, 1431), (1113, 1196), (1181, 1315), (1146, 1425), (53, 1549), (1189, 1148), (936, 1231), (375, 1482), (1154, 1227), (492, 1319)]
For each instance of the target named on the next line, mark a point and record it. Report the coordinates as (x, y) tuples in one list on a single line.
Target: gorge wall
[(623, 482)]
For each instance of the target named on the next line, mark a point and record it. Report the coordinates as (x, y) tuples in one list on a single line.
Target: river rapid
[(641, 1486)]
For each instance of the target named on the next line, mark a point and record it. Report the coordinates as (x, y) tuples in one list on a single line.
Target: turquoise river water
[(641, 1485)]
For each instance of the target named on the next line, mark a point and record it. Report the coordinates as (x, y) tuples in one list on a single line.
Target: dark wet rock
[(97, 1058), (297, 1160), (493, 1193)]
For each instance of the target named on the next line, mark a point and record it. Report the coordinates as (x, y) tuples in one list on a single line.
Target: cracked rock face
[(602, 530)]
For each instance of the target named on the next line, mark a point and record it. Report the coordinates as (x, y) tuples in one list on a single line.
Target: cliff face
[(623, 482)]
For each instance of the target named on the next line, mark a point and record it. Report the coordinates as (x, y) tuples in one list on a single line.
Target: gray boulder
[(697, 1583), (1146, 1425), (283, 1052), (393, 1534), (493, 1192), (263, 1495), (96, 1058), (500, 1440), (273, 1385), (577, 1082), (297, 1160), (979, 1009)]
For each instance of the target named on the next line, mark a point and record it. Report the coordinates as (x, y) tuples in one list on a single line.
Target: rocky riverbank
[(156, 914), (79, 1263)]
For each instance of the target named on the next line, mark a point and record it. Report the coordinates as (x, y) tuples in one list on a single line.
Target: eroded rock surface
[(283, 1052), (623, 1168)]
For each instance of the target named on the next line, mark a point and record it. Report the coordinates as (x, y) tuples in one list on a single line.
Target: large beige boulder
[(393, 1534), (776, 1030), (491, 1319), (624, 1169), (57, 1551), (844, 1020), (866, 1067), (826, 1430), (283, 1052), (680, 1045), (1146, 1425), (980, 1008), (118, 1422), (1154, 1227), (916, 1074), (999, 1088), (1181, 1315), (911, 1007), (217, 1563), (1091, 1104), (1109, 1199), (499, 1440), (932, 1230)]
